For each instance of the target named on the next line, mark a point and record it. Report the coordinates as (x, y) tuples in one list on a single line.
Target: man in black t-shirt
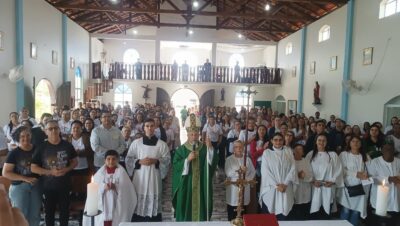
[(54, 160)]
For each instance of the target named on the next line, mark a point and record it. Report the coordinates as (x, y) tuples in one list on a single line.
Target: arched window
[(236, 57), (78, 86), (241, 100), (289, 48), (324, 33), (131, 56), (122, 94), (388, 8)]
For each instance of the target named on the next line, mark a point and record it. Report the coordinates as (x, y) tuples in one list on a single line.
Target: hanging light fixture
[(190, 31), (195, 4), (240, 36), (267, 7)]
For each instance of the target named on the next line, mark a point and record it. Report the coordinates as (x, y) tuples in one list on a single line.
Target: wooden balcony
[(169, 72)]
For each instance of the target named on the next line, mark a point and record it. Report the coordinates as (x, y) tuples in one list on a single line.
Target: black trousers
[(300, 212), (279, 217), (137, 218), (320, 215), (52, 199)]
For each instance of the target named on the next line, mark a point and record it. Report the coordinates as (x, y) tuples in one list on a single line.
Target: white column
[(158, 46), (214, 54)]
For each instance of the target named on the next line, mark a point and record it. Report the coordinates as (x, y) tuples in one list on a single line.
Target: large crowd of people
[(306, 167)]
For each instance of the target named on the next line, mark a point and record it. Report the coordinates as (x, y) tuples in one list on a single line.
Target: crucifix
[(241, 182)]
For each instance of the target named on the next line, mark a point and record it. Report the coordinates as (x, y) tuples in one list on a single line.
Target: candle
[(92, 198), (382, 199)]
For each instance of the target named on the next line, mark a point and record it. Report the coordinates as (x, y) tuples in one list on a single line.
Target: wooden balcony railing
[(169, 72)]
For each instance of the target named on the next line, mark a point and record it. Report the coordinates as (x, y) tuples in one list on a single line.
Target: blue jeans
[(27, 198), (351, 216)]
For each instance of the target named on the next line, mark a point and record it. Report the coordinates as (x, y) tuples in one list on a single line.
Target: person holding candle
[(354, 162), (148, 161), (116, 194), (386, 173), (232, 165), (327, 170), (53, 160), (278, 174)]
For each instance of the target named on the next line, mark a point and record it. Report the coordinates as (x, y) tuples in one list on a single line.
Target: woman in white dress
[(232, 165), (278, 173), (327, 171), (354, 162)]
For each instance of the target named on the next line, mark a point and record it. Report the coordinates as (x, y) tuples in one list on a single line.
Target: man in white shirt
[(106, 137), (213, 131), (65, 124), (24, 115)]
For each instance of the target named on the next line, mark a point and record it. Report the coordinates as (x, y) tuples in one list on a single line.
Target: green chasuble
[(190, 192)]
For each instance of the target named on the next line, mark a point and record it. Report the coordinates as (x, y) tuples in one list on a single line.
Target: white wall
[(264, 92), (7, 58), (369, 31), (115, 49), (320, 52), (42, 25), (96, 48), (78, 48), (289, 87), (167, 54), (251, 58)]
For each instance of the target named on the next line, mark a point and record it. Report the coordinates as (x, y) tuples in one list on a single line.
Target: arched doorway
[(280, 104), (181, 98), (44, 97)]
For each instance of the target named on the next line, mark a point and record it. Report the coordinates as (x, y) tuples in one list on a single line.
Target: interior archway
[(280, 104), (184, 97), (44, 97)]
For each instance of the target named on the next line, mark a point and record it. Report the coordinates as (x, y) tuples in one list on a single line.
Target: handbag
[(355, 190)]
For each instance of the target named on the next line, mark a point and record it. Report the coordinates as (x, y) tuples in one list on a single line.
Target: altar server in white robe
[(232, 165), (327, 171), (117, 195), (278, 173), (354, 163), (386, 169), (148, 160), (302, 190)]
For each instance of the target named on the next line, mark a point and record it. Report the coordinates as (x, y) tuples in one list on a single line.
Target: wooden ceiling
[(245, 16)]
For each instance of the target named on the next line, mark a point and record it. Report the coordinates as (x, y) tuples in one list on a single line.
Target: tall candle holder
[(92, 217)]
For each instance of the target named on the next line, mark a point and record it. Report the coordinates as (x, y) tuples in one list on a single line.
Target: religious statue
[(317, 100), (222, 94), (146, 91)]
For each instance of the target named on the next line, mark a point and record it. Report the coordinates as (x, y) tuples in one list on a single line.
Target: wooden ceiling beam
[(315, 1), (180, 25), (182, 12)]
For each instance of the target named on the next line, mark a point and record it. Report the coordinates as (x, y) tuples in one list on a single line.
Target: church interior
[(334, 57)]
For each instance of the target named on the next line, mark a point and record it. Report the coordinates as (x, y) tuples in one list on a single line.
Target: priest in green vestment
[(194, 165)]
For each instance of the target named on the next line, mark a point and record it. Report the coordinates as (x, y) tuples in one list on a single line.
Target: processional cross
[(241, 182)]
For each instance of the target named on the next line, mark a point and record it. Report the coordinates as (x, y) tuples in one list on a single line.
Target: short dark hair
[(77, 122), (111, 152), (148, 120), (27, 121), (18, 131)]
